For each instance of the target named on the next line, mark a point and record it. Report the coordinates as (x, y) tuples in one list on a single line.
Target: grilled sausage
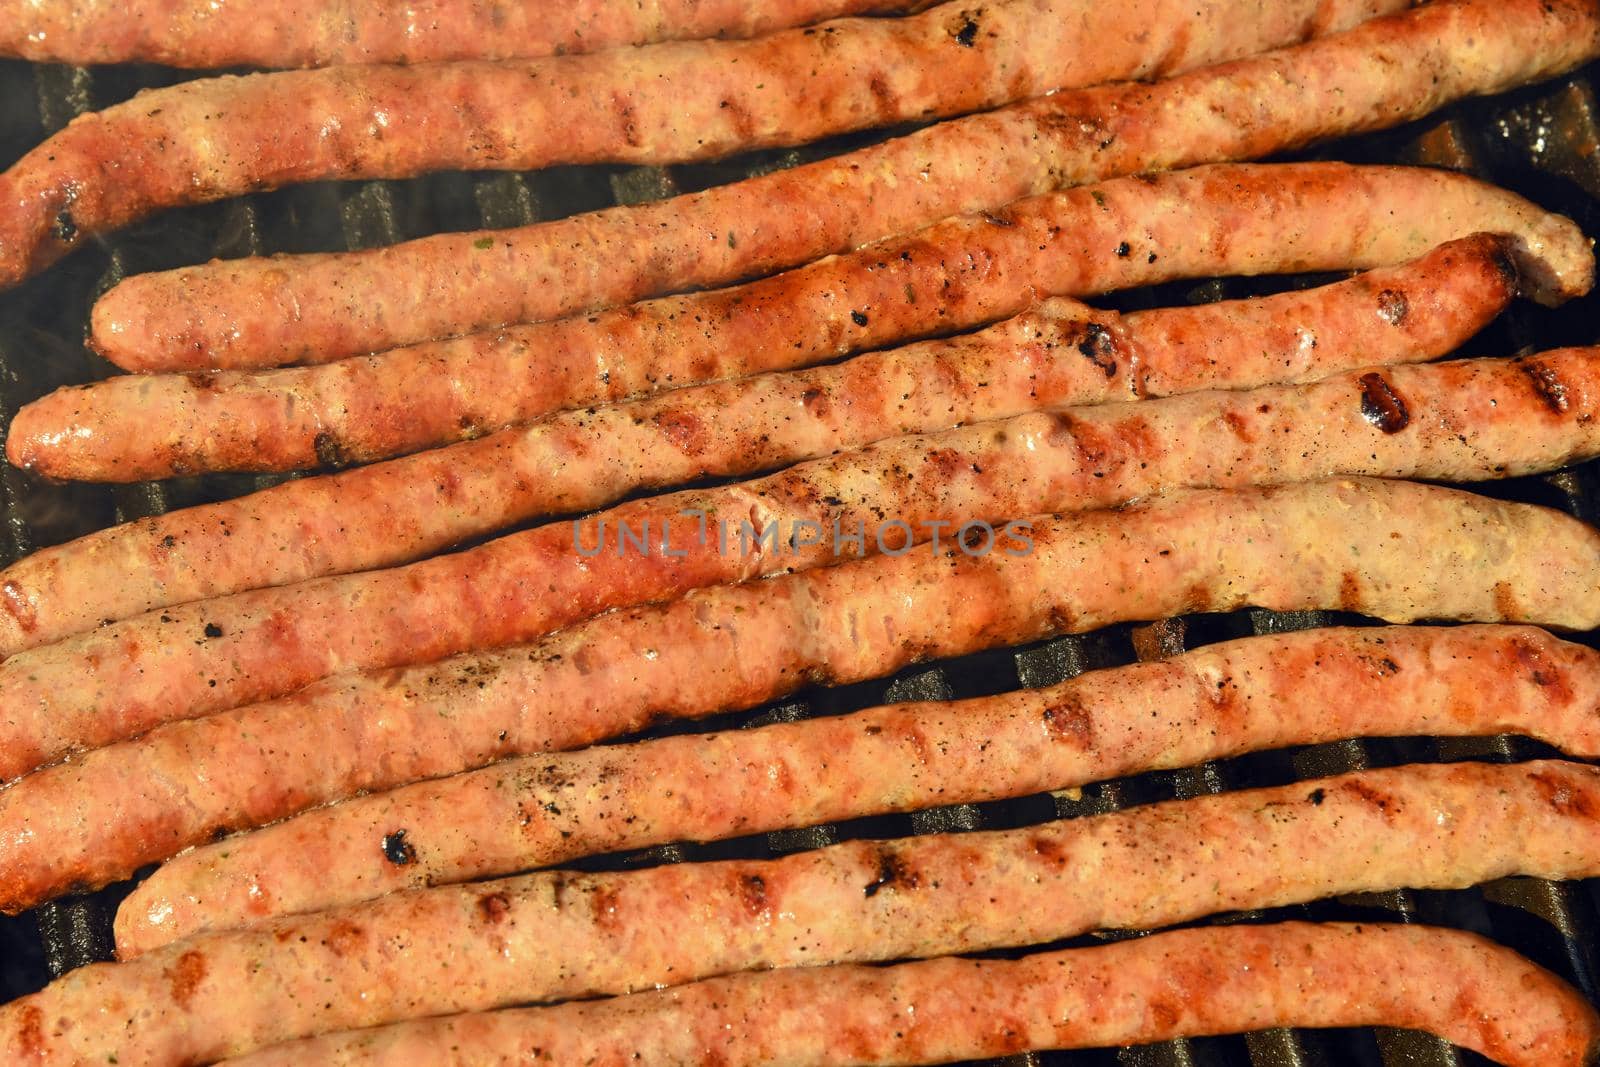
[(260, 312), (293, 33), (1454, 421), (1184, 983), (207, 140), (1222, 701), (1247, 219), (564, 935), (1325, 545), (1060, 352)]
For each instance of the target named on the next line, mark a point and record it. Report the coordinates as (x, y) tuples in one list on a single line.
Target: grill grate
[(1541, 142)]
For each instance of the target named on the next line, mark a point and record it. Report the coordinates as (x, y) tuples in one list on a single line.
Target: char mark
[(1547, 384), (397, 850), (1381, 405), (1393, 306), (1099, 348), (892, 874)]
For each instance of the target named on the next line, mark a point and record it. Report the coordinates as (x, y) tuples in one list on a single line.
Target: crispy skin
[(1224, 220), (564, 935), (1185, 983), (1395, 550), (1058, 353), (259, 312), (1458, 421), (1224, 700), (296, 33), (215, 138)]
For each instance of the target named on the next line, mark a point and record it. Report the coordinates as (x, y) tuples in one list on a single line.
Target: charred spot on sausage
[(1506, 264), (1505, 601), (1099, 348), (1393, 306), (1068, 718), (1540, 671), (65, 227), (186, 975), (892, 872), (30, 1032), (1547, 384), (1350, 591), (329, 452), (494, 907), (397, 850), (1371, 796), (1381, 405), (753, 893), (1562, 797)]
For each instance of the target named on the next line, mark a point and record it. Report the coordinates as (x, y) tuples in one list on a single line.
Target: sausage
[(207, 140), (1324, 545), (1454, 421), (1222, 701), (140, 427), (1183, 983), (562, 935), (1232, 219), (1057, 353), (290, 33), (259, 312)]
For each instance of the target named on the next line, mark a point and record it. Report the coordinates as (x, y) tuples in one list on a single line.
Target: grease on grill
[(397, 850), (1381, 405)]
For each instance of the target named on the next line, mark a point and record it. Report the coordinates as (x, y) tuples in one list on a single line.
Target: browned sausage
[(1184, 983), (260, 312), (1058, 353), (561, 935), (321, 33), (1325, 545), (1231, 219), (1221, 701), (211, 139), (1454, 421)]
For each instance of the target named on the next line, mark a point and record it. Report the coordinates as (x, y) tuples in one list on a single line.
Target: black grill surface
[(1540, 142)]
